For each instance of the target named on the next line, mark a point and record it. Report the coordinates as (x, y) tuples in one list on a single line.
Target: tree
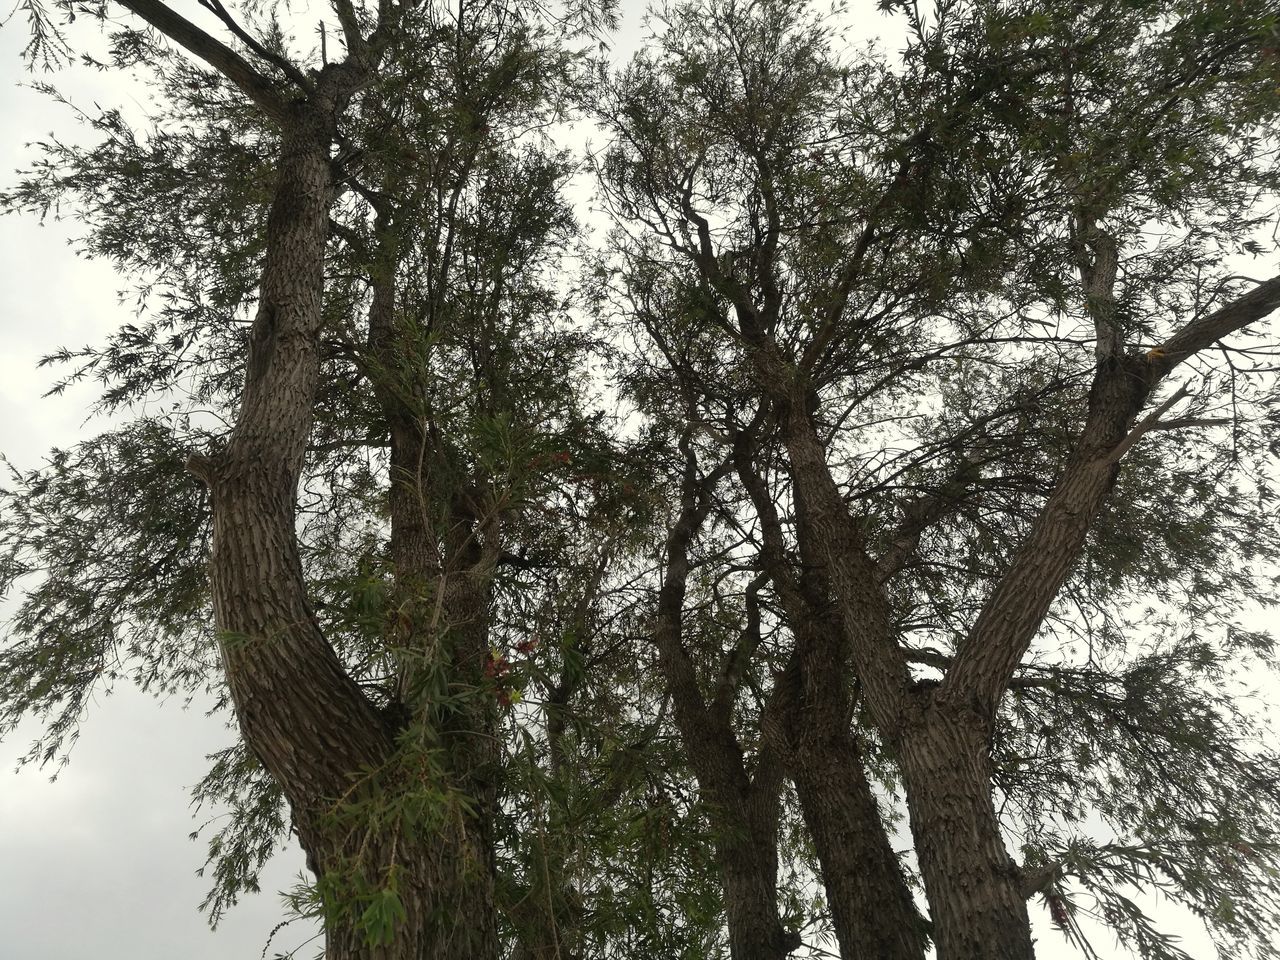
[(848, 237), (362, 669), (934, 479)]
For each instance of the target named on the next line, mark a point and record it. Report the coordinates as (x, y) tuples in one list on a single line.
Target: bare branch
[(276, 60), (1149, 422)]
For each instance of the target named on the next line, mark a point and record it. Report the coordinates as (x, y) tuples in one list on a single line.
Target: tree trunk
[(743, 805), (748, 863), (808, 725), (974, 889), (441, 626), (299, 711), (442, 887), (874, 914), (972, 884), (872, 909)]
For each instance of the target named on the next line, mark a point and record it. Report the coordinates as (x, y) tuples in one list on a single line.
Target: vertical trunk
[(748, 860), (975, 897), (862, 612), (442, 600), (440, 922), (808, 725), (872, 909), (744, 810)]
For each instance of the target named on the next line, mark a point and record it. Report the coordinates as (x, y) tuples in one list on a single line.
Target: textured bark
[(442, 600), (972, 883), (302, 715), (860, 601), (872, 910), (748, 861), (975, 896)]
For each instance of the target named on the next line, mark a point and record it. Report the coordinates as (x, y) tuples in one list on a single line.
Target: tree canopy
[(846, 534)]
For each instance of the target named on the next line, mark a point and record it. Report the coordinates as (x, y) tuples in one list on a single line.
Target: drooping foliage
[(588, 450)]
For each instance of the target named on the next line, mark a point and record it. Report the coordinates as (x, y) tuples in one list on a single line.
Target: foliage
[(910, 233)]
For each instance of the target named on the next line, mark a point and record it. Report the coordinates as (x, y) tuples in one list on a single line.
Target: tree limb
[(276, 60), (213, 52), (1122, 384)]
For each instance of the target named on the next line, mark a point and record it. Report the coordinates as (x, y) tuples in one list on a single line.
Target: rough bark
[(299, 711), (975, 895), (872, 909), (1019, 602), (442, 603), (972, 883), (871, 906)]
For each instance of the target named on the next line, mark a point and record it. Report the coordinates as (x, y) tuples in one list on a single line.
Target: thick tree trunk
[(441, 884), (975, 896), (301, 714), (972, 884), (874, 915), (305, 718), (871, 906), (442, 602), (748, 862), (872, 909), (808, 725)]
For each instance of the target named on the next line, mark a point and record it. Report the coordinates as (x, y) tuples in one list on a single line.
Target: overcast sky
[(98, 863)]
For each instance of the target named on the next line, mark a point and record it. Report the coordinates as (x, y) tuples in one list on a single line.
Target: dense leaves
[(557, 498)]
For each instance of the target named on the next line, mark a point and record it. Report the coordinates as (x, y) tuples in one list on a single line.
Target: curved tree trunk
[(304, 717)]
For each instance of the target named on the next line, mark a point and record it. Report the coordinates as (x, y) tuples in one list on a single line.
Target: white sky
[(98, 863)]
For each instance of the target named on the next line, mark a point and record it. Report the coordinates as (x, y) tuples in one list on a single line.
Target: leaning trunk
[(299, 711), (871, 906), (972, 885), (872, 910)]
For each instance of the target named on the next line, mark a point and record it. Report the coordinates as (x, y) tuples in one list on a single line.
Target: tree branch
[(276, 60), (1208, 330), (1017, 606), (213, 52)]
